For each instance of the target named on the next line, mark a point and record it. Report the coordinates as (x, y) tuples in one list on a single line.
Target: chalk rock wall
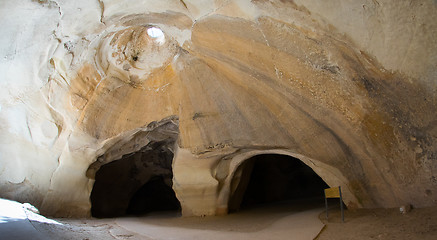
[(347, 87)]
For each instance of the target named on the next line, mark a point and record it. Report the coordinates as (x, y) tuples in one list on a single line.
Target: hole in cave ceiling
[(156, 34)]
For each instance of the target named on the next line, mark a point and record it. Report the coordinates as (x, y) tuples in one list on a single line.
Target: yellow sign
[(332, 192)]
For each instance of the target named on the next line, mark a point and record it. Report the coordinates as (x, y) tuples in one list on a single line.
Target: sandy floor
[(287, 220), (279, 221), (381, 224), (268, 222)]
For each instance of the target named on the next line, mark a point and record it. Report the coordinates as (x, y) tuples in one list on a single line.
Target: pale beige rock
[(347, 87)]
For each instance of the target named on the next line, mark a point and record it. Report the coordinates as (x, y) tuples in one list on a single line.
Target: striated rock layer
[(347, 87)]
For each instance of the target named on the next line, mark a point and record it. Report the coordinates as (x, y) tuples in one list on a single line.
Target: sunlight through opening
[(11, 211), (156, 34)]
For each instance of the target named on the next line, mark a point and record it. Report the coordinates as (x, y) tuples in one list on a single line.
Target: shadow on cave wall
[(138, 183), (273, 178)]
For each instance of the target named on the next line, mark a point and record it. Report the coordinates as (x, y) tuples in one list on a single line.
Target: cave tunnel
[(272, 178), (136, 184)]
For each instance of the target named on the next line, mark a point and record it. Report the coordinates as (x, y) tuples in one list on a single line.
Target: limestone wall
[(348, 87)]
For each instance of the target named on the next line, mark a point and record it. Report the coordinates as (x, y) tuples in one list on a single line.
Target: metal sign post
[(334, 193)]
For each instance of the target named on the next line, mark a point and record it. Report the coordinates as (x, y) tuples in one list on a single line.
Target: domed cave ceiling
[(347, 88)]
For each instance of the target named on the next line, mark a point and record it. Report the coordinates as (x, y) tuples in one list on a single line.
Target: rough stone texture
[(347, 87)]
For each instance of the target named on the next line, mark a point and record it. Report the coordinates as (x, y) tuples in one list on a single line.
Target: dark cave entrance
[(136, 184), (273, 178)]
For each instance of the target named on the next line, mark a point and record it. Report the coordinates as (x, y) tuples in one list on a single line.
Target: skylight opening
[(156, 34)]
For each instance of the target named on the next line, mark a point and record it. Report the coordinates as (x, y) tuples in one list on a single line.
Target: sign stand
[(334, 193)]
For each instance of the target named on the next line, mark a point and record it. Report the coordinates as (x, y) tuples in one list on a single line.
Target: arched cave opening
[(272, 178), (136, 184)]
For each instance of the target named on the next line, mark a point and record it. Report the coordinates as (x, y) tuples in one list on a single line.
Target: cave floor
[(278, 221), (384, 224), (284, 220)]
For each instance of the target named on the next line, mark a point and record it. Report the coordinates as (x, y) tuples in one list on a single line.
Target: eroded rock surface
[(348, 88)]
